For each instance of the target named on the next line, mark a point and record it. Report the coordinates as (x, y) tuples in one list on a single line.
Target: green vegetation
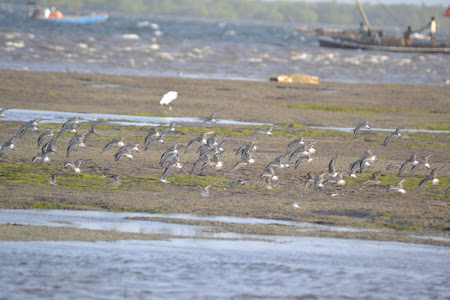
[(281, 11), (352, 109), (392, 222), (145, 114), (182, 179), (222, 131), (436, 127), (45, 205)]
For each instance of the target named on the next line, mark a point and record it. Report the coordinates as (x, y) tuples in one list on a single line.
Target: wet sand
[(290, 106)]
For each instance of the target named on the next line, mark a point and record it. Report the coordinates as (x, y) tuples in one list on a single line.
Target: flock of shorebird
[(209, 150)]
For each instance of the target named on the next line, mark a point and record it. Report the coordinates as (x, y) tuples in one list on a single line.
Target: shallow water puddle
[(143, 223), (25, 115)]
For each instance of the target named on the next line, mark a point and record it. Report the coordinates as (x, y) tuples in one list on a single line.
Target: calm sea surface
[(174, 46)]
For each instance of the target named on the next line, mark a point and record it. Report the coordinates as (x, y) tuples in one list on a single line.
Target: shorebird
[(205, 191), (126, 151), (48, 147), (174, 163), (411, 160), (168, 97), (152, 133), (364, 124), (397, 188), (430, 178), (250, 148), (353, 168), (45, 134), (52, 180), (320, 181), (154, 140), (170, 127), (309, 180), (69, 128), (205, 158), (37, 157), (396, 134), (211, 119), (366, 159), (119, 142), (332, 167), (268, 176), (114, 181), (295, 205), (29, 125), (301, 150), (422, 162), (267, 131), (297, 141), (171, 152), (277, 163), (72, 120), (76, 166), (373, 178), (76, 141), (305, 151), (246, 159), (202, 139), (2, 112), (211, 147), (304, 157), (9, 144), (214, 162), (338, 179)]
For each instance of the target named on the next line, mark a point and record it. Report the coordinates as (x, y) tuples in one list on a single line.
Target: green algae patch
[(291, 125), (145, 114), (392, 222), (223, 131), (354, 110), (25, 173), (436, 127), (45, 205), (181, 179)]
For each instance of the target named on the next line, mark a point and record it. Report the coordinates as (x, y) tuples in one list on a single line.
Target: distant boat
[(347, 43), (78, 19), (368, 39), (35, 12)]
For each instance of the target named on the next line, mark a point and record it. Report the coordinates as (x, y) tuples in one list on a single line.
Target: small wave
[(131, 36)]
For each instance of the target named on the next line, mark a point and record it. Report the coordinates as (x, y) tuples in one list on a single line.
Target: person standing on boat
[(407, 36), (363, 30), (47, 12), (433, 27), (36, 12)]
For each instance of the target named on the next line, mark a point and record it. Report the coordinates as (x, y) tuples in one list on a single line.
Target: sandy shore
[(289, 106)]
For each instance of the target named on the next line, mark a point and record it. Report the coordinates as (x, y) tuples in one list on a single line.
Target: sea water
[(131, 44)]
